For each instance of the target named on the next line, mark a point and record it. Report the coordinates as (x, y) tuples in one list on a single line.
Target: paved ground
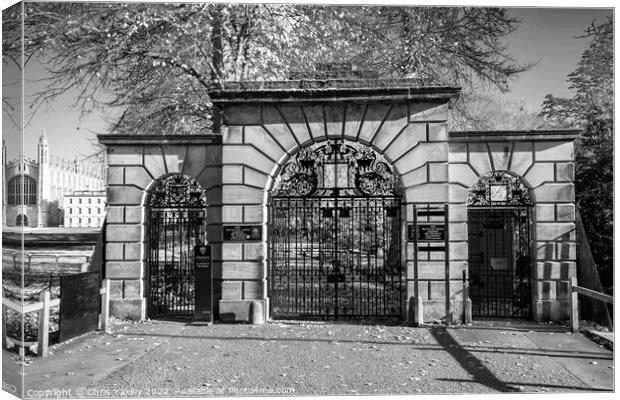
[(177, 359)]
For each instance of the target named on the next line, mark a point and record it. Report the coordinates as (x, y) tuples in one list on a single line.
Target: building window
[(79, 211), (89, 221), (29, 186), (70, 201), (80, 201), (71, 211), (80, 221), (89, 201)]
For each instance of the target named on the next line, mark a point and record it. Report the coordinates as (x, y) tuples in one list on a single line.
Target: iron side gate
[(499, 247), (335, 236), (176, 223)]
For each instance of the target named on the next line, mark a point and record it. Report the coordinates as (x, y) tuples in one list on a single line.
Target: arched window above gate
[(336, 168), (177, 191), (499, 188)]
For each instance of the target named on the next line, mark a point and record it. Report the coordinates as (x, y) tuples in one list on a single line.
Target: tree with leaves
[(591, 109), (151, 65)]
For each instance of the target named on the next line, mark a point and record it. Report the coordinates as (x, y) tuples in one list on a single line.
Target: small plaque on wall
[(427, 232), (239, 233)]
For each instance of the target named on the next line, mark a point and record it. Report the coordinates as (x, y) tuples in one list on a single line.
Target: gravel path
[(339, 358)]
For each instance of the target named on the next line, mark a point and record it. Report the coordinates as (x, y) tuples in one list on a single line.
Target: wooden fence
[(43, 307), (574, 301)]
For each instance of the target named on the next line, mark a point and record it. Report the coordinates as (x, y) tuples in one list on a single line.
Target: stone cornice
[(158, 140), (515, 135)]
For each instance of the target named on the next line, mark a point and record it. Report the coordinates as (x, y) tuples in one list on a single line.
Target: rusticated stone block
[(539, 174), (457, 213), (554, 151), (522, 157), (254, 178), (437, 132), (558, 192), (232, 134), (232, 155), (252, 251), (126, 308), (242, 270), (123, 233), (236, 310), (253, 290), (124, 155), (500, 155), (231, 214), (242, 114), (260, 139), (545, 212), (458, 231), (116, 289), (462, 174), (422, 154), (231, 290), (565, 172), (133, 251), (252, 214), (396, 120), (232, 174), (114, 251), (124, 195), (428, 112), (132, 289), (413, 134), (114, 214), (137, 176), (375, 114), (428, 193), (154, 161), (545, 251), (353, 121), (115, 175), (438, 172), (566, 212), (555, 231), (459, 251), (232, 251), (133, 214), (555, 270), (458, 152), (123, 269), (479, 158), (415, 177), (241, 194), (457, 193), (294, 116)]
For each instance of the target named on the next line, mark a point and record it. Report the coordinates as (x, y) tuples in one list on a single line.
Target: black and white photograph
[(287, 199)]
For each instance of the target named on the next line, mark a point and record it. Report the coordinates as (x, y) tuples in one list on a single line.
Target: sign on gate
[(204, 283), (80, 304)]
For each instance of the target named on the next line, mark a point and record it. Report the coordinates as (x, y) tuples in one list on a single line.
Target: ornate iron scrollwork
[(499, 188), (177, 191), (336, 165)]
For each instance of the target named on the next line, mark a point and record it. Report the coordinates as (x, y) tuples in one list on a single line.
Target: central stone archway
[(335, 234)]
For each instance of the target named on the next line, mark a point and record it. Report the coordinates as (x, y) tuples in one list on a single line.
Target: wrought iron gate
[(499, 247), (176, 223), (335, 235)]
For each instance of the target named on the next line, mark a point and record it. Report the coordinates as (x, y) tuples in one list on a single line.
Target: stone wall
[(134, 163), (544, 161)]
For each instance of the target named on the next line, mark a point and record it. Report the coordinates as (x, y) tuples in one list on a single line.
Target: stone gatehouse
[(341, 198)]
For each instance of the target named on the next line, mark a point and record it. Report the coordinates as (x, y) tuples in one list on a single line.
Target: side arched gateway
[(335, 234), (176, 222), (499, 207)]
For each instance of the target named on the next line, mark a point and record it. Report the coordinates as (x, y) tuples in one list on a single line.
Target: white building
[(84, 208)]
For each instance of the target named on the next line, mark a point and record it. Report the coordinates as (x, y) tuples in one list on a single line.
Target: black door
[(499, 262), (335, 247), (177, 220)]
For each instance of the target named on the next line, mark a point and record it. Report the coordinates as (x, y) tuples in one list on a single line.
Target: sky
[(546, 36)]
